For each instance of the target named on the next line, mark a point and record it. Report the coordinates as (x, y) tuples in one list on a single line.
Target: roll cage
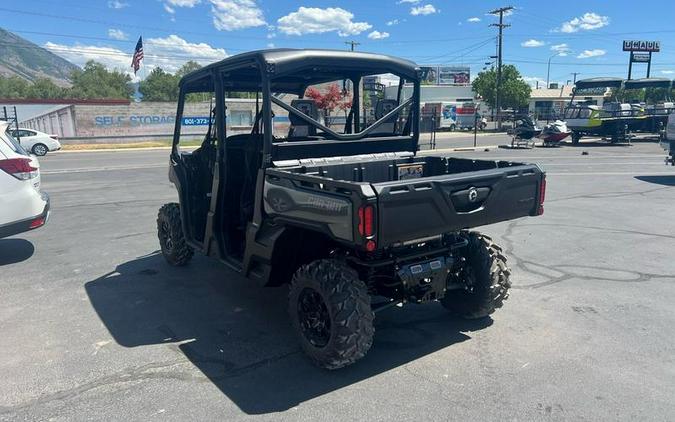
[(273, 73)]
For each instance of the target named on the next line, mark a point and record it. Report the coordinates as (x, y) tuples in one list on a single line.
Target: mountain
[(20, 57)]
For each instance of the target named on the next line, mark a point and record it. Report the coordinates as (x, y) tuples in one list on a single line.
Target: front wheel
[(485, 276), (330, 311), (175, 249)]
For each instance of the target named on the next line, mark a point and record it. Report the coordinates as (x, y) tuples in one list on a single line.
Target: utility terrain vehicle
[(348, 214)]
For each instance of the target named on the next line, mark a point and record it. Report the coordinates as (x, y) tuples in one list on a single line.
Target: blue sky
[(586, 35)]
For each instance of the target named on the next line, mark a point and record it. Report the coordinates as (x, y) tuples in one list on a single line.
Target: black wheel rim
[(314, 317), (165, 236)]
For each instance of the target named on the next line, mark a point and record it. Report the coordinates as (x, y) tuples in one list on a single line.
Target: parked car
[(39, 143), (353, 219), (24, 207)]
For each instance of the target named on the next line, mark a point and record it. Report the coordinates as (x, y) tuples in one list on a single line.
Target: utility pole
[(575, 76), (352, 44), (501, 27)]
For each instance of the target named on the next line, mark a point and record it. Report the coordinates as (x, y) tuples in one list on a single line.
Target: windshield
[(329, 110), (13, 144)]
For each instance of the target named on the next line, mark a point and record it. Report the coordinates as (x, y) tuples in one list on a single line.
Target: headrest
[(383, 107), (307, 107)]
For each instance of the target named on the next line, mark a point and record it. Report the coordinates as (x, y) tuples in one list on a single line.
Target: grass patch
[(149, 144)]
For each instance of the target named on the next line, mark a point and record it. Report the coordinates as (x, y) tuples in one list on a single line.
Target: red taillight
[(542, 195), (367, 220), (38, 222), (19, 168)]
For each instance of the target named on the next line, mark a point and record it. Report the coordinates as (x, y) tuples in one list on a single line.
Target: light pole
[(548, 69)]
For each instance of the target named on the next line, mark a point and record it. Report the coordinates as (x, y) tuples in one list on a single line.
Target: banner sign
[(641, 57), (446, 75), (648, 46)]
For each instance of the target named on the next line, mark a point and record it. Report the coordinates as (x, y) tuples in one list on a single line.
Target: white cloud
[(183, 3), (393, 22), (117, 4), (586, 22), (270, 45), (313, 20), (377, 35), (117, 34), (408, 1), (230, 15), (532, 43), (562, 49), (668, 72), (169, 53), (534, 81), (473, 20), (170, 10), (591, 53), (427, 9)]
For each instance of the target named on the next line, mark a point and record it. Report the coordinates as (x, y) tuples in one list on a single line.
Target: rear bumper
[(27, 224)]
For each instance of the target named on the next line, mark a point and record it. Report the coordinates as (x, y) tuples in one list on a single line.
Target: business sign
[(641, 57), (446, 75), (453, 75), (429, 74), (196, 121), (648, 46)]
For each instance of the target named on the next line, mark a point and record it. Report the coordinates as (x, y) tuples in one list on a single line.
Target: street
[(95, 325)]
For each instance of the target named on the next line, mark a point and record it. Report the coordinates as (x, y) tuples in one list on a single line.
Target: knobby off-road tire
[(175, 249), (330, 311), (487, 277)]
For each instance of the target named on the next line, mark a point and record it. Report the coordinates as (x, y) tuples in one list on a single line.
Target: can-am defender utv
[(341, 211)]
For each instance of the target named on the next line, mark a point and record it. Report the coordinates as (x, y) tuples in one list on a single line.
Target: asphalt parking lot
[(95, 326)]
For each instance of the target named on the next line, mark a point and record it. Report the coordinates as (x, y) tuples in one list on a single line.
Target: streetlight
[(548, 70)]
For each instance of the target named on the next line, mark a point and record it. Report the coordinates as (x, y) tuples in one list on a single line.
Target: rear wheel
[(330, 311), (175, 249), (40, 149), (486, 277)]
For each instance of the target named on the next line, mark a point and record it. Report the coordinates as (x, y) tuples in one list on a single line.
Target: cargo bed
[(424, 196)]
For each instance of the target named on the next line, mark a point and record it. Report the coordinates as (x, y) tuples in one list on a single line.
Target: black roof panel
[(322, 65), (599, 83), (647, 83)]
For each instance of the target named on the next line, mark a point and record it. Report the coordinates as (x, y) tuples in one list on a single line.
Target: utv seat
[(381, 109), (300, 128)]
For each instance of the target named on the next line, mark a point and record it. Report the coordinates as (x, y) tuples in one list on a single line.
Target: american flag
[(138, 55)]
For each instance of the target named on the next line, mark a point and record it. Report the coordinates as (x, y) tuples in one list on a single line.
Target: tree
[(46, 89), (328, 100), (189, 66), (13, 87), (515, 92), (95, 81), (159, 86)]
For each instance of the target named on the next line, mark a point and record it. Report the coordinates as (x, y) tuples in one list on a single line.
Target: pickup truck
[(350, 217)]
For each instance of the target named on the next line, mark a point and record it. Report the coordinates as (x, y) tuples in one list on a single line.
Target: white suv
[(39, 143), (22, 206)]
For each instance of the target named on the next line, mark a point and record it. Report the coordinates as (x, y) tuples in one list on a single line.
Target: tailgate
[(412, 209)]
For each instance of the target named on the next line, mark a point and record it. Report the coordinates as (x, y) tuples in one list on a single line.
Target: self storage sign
[(648, 46)]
